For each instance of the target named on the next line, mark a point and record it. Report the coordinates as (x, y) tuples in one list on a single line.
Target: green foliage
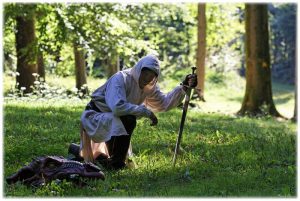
[(171, 28), (9, 39), (225, 32), (128, 30), (50, 32), (225, 24), (42, 91), (12, 10), (178, 74), (283, 41), (65, 66), (108, 35), (10, 60), (56, 87), (131, 30), (215, 78)]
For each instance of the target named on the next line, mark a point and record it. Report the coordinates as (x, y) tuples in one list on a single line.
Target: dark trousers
[(118, 145)]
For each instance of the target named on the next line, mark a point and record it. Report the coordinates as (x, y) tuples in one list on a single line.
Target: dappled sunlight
[(223, 100), (223, 147), (57, 57), (216, 150)]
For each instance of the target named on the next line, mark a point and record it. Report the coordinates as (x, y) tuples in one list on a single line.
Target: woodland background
[(240, 134)]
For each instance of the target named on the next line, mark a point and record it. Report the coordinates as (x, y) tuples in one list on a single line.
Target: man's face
[(147, 76)]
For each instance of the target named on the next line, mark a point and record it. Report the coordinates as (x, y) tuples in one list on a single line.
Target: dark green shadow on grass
[(223, 156)]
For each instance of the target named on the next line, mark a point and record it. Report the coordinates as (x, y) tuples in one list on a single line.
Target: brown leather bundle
[(46, 168)]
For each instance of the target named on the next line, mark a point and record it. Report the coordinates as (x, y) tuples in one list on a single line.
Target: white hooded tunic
[(121, 95)]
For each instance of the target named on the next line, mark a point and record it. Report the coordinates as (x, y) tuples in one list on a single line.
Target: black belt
[(92, 106)]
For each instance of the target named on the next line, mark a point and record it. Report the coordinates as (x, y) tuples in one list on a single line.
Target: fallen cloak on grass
[(44, 169)]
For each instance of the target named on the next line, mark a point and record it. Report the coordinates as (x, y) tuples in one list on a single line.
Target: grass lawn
[(222, 155)]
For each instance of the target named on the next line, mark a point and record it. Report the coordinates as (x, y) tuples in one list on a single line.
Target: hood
[(149, 61)]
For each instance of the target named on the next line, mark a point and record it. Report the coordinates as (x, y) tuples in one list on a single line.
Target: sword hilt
[(193, 73), (193, 70)]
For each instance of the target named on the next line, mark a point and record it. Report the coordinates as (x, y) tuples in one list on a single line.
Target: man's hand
[(190, 80), (153, 119)]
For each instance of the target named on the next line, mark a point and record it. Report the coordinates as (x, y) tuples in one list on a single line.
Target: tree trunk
[(80, 71), (112, 66), (258, 93), (294, 118), (201, 50), (41, 66), (26, 52)]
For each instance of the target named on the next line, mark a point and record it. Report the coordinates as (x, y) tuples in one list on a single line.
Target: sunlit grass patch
[(221, 155)]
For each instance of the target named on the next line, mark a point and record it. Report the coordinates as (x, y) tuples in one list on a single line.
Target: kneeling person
[(110, 117)]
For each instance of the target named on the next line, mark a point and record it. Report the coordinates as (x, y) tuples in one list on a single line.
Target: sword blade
[(184, 112)]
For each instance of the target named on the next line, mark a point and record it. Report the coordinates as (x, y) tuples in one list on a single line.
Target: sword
[(184, 111)]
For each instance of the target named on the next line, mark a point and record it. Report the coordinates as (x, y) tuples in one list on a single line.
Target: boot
[(112, 164), (74, 152), (117, 148)]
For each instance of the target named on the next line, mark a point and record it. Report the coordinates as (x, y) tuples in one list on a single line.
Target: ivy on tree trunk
[(26, 52)]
